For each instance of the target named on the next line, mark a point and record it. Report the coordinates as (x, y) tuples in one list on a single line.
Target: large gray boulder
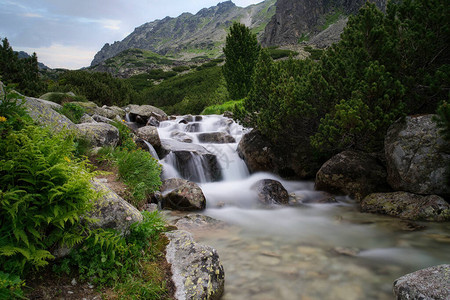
[(352, 173), (111, 211), (417, 156), (149, 134), (144, 112), (181, 194), (192, 161), (181, 136), (100, 134), (196, 269), (428, 284), (43, 112), (408, 206), (257, 152), (271, 192)]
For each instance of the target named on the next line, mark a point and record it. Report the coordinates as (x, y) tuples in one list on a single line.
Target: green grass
[(331, 19), (219, 109)]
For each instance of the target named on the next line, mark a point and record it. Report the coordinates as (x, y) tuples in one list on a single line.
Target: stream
[(307, 251)]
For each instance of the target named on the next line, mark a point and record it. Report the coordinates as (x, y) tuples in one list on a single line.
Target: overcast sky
[(68, 33)]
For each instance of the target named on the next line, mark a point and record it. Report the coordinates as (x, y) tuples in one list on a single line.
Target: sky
[(68, 33)]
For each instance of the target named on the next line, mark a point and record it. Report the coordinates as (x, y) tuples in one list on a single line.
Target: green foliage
[(108, 259), (138, 169), (61, 98), (11, 286), (100, 88), (303, 38), (195, 88), (315, 54), (280, 53), (44, 191), (73, 111), (385, 66), (13, 115), (125, 136), (180, 69), (331, 19), (219, 109), (241, 53), (22, 72), (443, 119)]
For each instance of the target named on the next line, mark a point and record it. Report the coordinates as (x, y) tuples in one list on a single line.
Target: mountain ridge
[(189, 34)]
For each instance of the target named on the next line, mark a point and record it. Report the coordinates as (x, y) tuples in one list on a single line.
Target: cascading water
[(311, 251), (151, 150)]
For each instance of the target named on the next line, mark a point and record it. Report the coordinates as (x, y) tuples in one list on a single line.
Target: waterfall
[(151, 150), (127, 117)]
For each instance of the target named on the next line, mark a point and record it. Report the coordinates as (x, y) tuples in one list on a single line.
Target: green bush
[(280, 53), (73, 111), (13, 115), (44, 191), (219, 109), (180, 69), (61, 98), (108, 259), (11, 286), (125, 136)]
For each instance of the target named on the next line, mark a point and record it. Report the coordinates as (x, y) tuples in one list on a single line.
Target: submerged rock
[(271, 192), (417, 156), (216, 137), (181, 137), (111, 211), (181, 194), (352, 173), (427, 284), (100, 134), (196, 269), (407, 206)]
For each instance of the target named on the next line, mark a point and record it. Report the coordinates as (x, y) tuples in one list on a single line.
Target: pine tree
[(241, 53)]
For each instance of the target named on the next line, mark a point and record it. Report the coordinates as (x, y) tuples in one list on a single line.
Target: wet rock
[(193, 127), (43, 113), (427, 284), (312, 198), (181, 136), (228, 114), (196, 269), (347, 251), (407, 206), (152, 121), (198, 118), (197, 221), (192, 161), (111, 211), (149, 134), (187, 119), (181, 194), (144, 112), (417, 156), (256, 152), (216, 137), (271, 192), (352, 173), (100, 134)]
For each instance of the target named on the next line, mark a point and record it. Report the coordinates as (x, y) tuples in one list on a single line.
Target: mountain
[(299, 20), (188, 36)]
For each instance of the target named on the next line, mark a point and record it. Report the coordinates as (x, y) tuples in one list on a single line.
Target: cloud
[(60, 56), (32, 15)]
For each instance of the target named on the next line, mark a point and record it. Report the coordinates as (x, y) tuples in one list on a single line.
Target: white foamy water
[(311, 251)]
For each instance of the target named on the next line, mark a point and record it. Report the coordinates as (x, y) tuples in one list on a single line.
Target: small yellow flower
[(2, 119), (67, 159), (123, 121)]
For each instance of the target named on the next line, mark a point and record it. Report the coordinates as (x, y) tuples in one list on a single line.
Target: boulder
[(149, 134), (193, 127), (43, 112), (101, 119), (257, 152), (407, 206), (100, 134), (106, 112), (181, 136), (353, 173), (427, 284), (271, 192), (89, 107), (196, 269), (145, 112), (216, 138), (311, 197), (85, 118), (111, 211), (417, 156), (152, 121), (192, 161), (181, 194)]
